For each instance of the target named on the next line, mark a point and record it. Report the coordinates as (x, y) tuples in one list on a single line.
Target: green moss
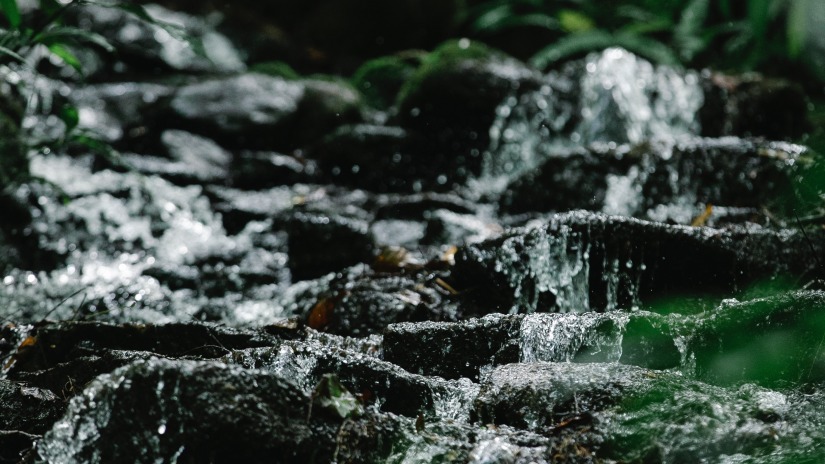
[(448, 55), (381, 79)]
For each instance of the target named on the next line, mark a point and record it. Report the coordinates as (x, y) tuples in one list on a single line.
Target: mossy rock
[(452, 99), (276, 69), (381, 79)]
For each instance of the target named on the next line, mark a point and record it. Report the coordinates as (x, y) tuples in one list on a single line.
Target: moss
[(381, 79)]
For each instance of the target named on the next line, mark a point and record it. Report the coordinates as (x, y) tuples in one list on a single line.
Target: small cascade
[(622, 99), (561, 337), (626, 99), (554, 272)]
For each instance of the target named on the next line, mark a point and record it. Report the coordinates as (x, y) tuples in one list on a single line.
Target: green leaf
[(10, 11), (9, 52), (70, 116), (574, 21), (63, 35), (688, 33), (797, 26), (491, 19), (67, 56), (566, 47)]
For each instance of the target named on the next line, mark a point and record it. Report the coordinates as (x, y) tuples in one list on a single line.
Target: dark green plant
[(23, 39), (726, 34)]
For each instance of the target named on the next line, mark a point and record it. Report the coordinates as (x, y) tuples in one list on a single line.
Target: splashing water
[(621, 99)]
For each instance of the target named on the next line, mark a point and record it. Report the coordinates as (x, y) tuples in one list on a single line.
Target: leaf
[(491, 19), (688, 32), (797, 26), (574, 21), (70, 116), (67, 56), (63, 35), (11, 53), (11, 12), (566, 47)]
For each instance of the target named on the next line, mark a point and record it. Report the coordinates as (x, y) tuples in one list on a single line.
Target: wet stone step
[(581, 261), (643, 180), (769, 341)]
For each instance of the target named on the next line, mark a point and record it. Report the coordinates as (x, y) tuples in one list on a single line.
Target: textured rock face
[(451, 257)]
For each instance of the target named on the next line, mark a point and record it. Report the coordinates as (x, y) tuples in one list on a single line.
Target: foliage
[(24, 40), (727, 34)]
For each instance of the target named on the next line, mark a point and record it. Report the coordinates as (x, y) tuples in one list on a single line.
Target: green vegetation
[(765, 35)]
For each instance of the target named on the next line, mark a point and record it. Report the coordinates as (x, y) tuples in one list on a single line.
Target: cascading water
[(621, 99)]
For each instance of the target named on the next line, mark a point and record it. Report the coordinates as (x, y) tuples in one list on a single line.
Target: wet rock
[(326, 104), (361, 303), (381, 79), (664, 181), (192, 160), (581, 261), (419, 206), (444, 226), (190, 411), (769, 341), (576, 181), (391, 388), (60, 343), (538, 396), (452, 99), (16, 445), (753, 106), (262, 170), (453, 350), (373, 157), (250, 110), (118, 112), (325, 242), (28, 409), (142, 45), (258, 111)]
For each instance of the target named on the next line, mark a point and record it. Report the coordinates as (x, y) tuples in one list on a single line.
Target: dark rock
[(393, 389), (261, 170), (642, 180), (15, 445), (452, 99), (582, 261), (250, 110), (320, 243), (28, 409), (373, 157), (191, 411), (257, 111), (58, 343), (770, 341), (120, 112), (576, 181), (326, 104), (192, 160), (419, 206), (358, 305), (453, 350), (753, 106), (381, 79), (538, 396)]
